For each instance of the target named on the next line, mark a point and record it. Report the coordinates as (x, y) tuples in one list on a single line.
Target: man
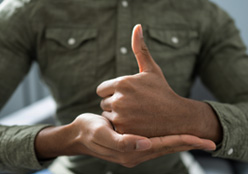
[(80, 44)]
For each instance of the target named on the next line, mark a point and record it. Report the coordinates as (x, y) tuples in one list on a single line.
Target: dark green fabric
[(77, 45), (17, 153)]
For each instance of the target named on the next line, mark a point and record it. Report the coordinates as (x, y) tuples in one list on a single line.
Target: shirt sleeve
[(223, 68), (16, 53), (17, 152)]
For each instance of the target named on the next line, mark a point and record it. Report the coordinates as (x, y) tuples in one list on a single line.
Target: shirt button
[(123, 50), (109, 172), (175, 40), (230, 151), (71, 41), (124, 3)]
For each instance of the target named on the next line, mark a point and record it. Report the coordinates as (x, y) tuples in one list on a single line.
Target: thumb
[(111, 139), (140, 50), (129, 142)]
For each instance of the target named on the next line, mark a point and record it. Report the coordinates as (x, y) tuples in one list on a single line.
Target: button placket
[(124, 19)]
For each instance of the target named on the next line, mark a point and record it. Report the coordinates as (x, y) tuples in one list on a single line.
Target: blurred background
[(32, 90)]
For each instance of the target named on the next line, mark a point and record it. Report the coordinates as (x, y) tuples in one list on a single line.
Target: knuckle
[(118, 101), (115, 105), (144, 49), (119, 129), (97, 131), (119, 83), (121, 145), (121, 100), (184, 140), (115, 118), (167, 148), (123, 82)]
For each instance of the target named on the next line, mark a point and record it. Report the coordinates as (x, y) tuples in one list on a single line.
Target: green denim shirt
[(80, 43)]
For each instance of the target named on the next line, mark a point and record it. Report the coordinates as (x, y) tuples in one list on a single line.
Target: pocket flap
[(173, 38), (70, 38)]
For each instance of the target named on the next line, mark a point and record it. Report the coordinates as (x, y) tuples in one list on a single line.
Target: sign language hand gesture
[(91, 134), (143, 119), (144, 103), (96, 137)]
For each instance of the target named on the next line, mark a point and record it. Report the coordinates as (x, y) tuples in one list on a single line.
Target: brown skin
[(94, 135), (91, 134), (144, 103)]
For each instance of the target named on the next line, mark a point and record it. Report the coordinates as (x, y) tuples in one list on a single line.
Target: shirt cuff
[(234, 124), (17, 147)]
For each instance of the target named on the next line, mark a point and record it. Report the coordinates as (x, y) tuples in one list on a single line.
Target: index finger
[(106, 88), (108, 138), (171, 141)]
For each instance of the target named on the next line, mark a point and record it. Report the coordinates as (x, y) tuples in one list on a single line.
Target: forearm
[(57, 141)]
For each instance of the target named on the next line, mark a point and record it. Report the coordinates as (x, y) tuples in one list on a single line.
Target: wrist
[(202, 120), (52, 142)]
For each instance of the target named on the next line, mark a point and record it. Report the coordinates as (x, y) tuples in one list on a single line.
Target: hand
[(144, 103), (93, 135)]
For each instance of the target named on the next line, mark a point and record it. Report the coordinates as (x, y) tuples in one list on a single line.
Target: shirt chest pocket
[(70, 55), (173, 47), (70, 39), (175, 50), (173, 42)]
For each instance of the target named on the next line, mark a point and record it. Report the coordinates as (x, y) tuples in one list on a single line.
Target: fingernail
[(140, 31), (199, 146), (143, 145)]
